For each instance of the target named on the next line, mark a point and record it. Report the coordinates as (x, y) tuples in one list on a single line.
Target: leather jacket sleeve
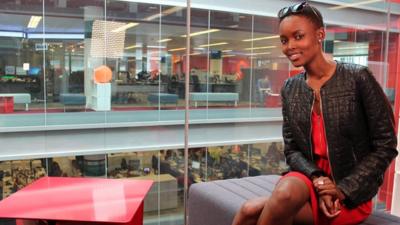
[(295, 158), (371, 168)]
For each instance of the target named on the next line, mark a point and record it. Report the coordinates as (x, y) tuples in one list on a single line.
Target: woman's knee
[(248, 208), (290, 191), (281, 194)]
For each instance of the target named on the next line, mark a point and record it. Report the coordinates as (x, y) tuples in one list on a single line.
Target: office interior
[(96, 88)]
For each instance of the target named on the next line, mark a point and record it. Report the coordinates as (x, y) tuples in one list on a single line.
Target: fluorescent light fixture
[(12, 34), (125, 27), (201, 49), (224, 56), (234, 26), (353, 47), (164, 40), (214, 44), (55, 36), (194, 53), (202, 32), (155, 46), (176, 49), (34, 21), (133, 46), (164, 13), (227, 50), (264, 47), (259, 53), (262, 38), (337, 41), (342, 6)]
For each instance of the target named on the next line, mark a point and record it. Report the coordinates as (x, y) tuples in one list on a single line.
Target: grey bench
[(216, 202), (72, 99), (213, 97)]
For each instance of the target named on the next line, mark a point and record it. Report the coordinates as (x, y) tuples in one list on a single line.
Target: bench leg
[(26, 107), (195, 104), (235, 103)]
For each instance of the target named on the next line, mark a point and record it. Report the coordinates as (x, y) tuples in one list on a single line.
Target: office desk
[(62, 200)]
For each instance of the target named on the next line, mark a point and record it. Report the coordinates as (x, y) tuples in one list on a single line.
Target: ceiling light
[(55, 36), (34, 21), (11, 34), (337, 41), (214, 44), (133, 46), (260, 53), (227, 50), (164, 13), (264, 47), (201, 49), (164, 40), (155, 46), (194, 53), (224, 56), (262, 38), (352, 47), (202, 32), (125, 27), (176, 49), (342, 6)]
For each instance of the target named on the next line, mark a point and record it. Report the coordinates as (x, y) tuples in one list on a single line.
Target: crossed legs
[(287, 205)]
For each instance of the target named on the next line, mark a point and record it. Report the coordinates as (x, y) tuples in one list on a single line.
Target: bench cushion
[(72, 99), (216, 202), (214, 97), (19, 98), (163, 97)]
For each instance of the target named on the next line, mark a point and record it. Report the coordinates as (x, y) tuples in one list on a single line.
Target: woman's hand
[(329, 207), (329, 196), (325, 186)]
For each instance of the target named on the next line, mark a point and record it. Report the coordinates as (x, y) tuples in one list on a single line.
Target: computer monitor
[(195, 165), (134, 164), (34, 71)]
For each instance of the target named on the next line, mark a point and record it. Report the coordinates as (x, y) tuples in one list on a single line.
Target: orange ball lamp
[(102, 74)]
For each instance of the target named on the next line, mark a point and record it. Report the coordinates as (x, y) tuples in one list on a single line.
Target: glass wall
[(119, 63), (124, 61)]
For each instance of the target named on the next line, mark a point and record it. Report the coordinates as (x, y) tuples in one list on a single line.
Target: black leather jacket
[(359, 127)]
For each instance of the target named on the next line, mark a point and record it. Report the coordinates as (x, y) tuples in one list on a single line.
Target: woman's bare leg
[(287, 200), (251, 210)]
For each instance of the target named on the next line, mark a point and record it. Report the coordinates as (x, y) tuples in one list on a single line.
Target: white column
[(91, 13)]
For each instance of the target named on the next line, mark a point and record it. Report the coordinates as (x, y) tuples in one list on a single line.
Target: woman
[(338, 130)]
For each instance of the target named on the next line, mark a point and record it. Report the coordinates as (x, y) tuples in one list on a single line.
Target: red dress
[(346, 216)]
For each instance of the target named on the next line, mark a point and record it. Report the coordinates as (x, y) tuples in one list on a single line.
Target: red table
[(6, 104), (75, 201)]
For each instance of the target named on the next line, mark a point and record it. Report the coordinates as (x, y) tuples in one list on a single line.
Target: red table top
[(77, 199)]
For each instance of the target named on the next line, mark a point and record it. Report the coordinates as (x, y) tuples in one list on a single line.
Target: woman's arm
[(370, 170), (294, 157)]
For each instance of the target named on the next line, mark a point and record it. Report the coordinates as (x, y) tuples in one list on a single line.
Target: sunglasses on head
[(294, 9)]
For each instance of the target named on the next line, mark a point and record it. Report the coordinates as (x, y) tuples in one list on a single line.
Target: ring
[(320, 182)]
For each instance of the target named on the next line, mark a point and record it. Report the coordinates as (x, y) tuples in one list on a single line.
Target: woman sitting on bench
[(338, 130)]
